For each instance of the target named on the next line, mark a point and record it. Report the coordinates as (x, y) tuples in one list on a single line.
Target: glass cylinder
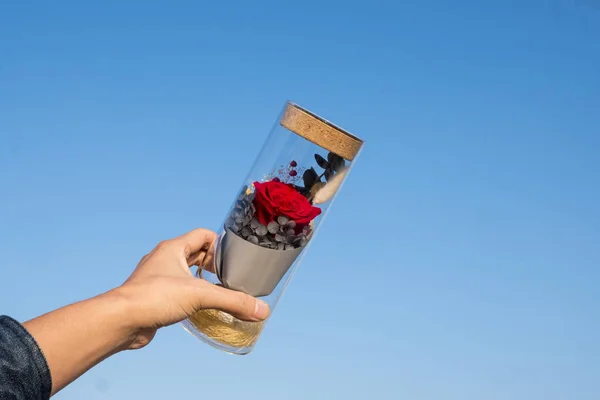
[(273, 219)]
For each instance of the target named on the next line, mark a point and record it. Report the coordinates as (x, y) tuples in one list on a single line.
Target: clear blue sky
[(460, 262)]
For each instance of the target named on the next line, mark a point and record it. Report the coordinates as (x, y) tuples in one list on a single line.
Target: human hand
[(162, 290)]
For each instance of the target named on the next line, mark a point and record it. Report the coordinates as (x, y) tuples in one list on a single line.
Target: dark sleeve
[(24, 373)]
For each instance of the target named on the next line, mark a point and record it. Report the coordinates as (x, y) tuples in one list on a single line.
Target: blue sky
[(459, 262)]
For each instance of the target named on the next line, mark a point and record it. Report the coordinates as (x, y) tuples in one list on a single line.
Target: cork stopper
[(321, 132)]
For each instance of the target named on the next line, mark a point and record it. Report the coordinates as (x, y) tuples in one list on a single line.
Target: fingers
[(204, 258), (207, 262), (238, 304), (196, 247), (196, 241)]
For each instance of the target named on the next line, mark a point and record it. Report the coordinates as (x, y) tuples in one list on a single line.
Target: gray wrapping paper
[(249, 268)]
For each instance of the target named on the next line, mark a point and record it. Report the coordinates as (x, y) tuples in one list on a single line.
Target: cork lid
[(320, 131)]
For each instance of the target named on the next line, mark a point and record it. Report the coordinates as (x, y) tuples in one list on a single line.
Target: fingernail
[(261, 310)]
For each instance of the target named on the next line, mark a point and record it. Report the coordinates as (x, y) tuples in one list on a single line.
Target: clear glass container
[(272, 221)]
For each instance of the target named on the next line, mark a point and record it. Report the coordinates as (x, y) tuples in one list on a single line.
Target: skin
[(161, 291)]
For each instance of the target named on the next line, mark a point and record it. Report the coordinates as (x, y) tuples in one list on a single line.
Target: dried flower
[(326, 193)]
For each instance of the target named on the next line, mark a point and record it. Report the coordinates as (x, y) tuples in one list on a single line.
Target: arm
[(160, 292), (77, 337)]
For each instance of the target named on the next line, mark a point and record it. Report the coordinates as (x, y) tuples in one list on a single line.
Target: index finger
[(196, 241)]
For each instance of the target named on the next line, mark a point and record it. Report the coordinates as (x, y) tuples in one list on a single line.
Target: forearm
[(77, 337)]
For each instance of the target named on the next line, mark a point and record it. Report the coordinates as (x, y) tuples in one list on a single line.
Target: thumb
[(238, 304)]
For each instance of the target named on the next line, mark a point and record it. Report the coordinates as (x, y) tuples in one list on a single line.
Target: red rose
[(277, 198)]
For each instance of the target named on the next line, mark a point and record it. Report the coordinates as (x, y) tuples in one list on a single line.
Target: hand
[(162, 290)]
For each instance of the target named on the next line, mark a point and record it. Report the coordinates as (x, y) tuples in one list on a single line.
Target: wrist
[(136, 323), (119, 316)]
